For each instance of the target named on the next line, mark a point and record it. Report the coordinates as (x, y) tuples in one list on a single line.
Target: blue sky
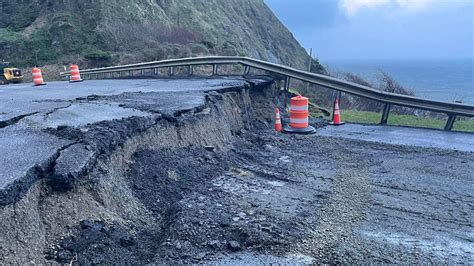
[(380, 29)]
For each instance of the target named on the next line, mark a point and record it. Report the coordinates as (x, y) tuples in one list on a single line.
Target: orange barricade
[(37, 77), (299, 116), (75, 74)]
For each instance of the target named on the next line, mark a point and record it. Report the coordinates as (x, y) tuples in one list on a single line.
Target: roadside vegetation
[(102, 33), (461, 124)]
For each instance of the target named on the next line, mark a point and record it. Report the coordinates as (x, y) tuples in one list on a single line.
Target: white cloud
[(352, 7), (413, 5)]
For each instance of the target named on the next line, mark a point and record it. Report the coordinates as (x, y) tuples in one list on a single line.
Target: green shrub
[(97, 55), (198, 48), (208, 44)]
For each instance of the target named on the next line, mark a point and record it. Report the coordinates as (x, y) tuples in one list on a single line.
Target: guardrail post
[(130, 73), (155, 71), (142, 72), (450, 123), (191, 70), (287, 83), (214, 69), (286, 88), (171, 71), (385, 113), (246, 71)]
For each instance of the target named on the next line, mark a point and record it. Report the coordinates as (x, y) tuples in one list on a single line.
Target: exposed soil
[(336, 201)]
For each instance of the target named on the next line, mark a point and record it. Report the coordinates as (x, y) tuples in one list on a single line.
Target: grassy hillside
[(102, 32)]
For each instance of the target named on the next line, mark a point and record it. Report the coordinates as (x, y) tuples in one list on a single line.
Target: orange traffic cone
[(38, 77), (75, 74), (337, 115), (278, 126)]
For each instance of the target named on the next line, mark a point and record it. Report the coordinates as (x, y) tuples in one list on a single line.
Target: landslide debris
[(196, 217)]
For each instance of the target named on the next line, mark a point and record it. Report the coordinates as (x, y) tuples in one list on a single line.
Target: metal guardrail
[(451, 109)]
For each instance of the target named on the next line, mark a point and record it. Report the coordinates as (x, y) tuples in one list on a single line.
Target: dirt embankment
[(107, 198)]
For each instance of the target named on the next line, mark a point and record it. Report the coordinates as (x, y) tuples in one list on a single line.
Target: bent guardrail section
[(452, 109)]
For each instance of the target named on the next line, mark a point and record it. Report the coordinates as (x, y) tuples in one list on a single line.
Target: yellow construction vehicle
[(9, 74)]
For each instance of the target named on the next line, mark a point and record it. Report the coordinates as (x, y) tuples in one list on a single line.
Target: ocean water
[(446, 80)]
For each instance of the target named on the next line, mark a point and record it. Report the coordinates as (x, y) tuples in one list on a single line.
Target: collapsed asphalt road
[(213, 183), (27, 113)]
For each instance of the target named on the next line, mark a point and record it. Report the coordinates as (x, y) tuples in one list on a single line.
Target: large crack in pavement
[(59, 108), (14, 120)]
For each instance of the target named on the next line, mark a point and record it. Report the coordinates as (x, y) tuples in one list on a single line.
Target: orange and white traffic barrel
[(37, 77), (75, 74), (299, 116)]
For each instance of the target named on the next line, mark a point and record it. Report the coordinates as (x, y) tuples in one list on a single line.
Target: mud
[(216, 185)]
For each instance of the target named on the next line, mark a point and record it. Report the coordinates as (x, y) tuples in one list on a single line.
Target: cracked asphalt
[(26, 112)]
